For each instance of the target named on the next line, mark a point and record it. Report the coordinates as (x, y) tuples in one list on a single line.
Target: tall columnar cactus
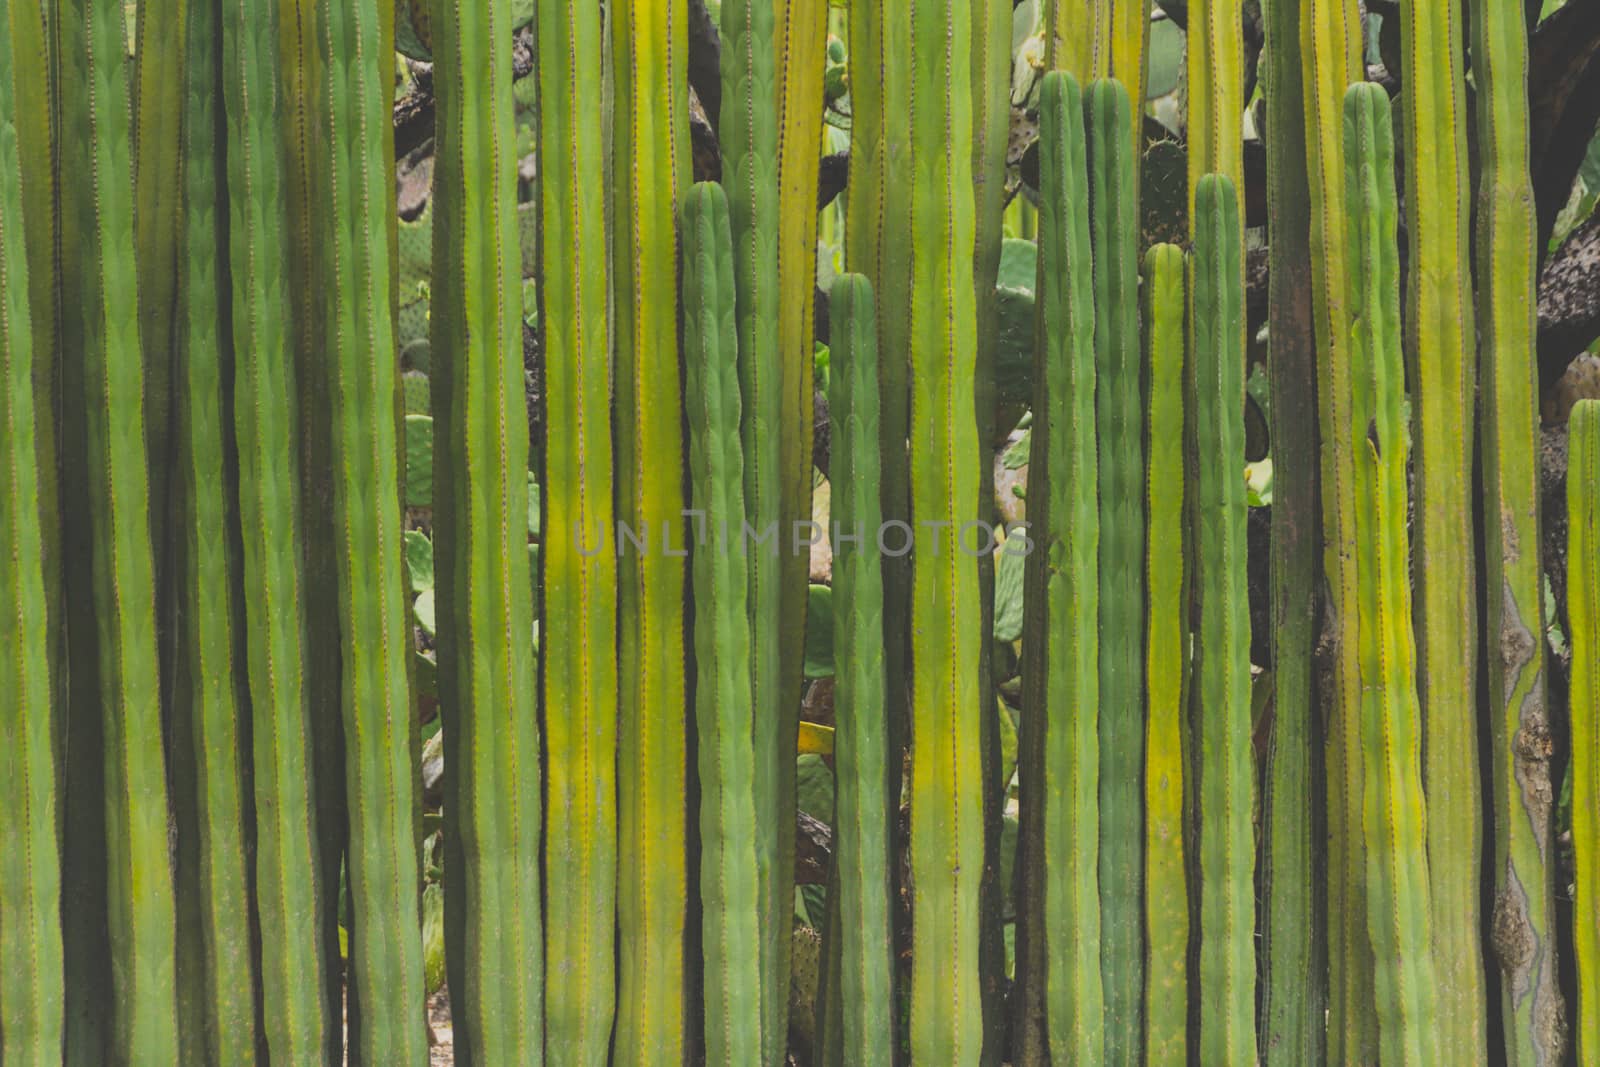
[(649, 171), (216, 973), (1392, 805), (946, 773), (361, 369), (1103, 39), (1222, 643), (1215, 96), (1061, 1017), (729, 889), (1440, 339), (1294, 975), (287, 887), (862, 807), (1523, 922), (1166, 900), (579, 611), (31, 982), (1119, 424), (748, 132), (1330, 50), (118, 881), (487, 675), (1583, 619)]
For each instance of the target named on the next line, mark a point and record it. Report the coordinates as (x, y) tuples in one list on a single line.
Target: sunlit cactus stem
[(1221, 712), (729, 889), (1062, 1013), (1583, 618), (1166, 899)]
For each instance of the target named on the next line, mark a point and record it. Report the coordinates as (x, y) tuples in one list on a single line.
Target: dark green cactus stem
[(1392, 804), (487, 674), (649, 169), (31, 966), (1166, 900), (287, 889), (1583, 630), (1222, 643), (1292, 1018), (1062, 1013), (121, 993), (1330, 52), (357, 248), (862, 808), (1440, 337), (579, 610), (1523, 923), (729, 889), (216, 974), (946, 767), (1119, 421)]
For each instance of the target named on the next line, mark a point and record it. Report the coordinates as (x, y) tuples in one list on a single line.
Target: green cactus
[(729, 886), (1222, 642), (1392, 803), (287, 888), (650, 169), (1523, 922), (946, 774), (1440, 339), (1103, 39), (1294, 951), (1166, 901), (1119, 420), (216, 974), (1583, 630), (31, 977), (1215, 96), (862, 807), (361, 377), (1330, 49), (1062, 1012), (487, 671), (116, 871), (579, 609)]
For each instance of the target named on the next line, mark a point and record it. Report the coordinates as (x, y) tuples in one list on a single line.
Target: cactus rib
[(729, 887), (578, 613), (1222, 645)]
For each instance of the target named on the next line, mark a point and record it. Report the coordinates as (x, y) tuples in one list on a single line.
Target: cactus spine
[(1294, 996), (861, 751), (1330, 50), (579, 611), (1583, 619), (1222, 645), (1524, 915), (650, 169), (1440, 339), (947, 785), (1058, 918), (487, 673), (31, 981), (362, 368), (117, 872), (1166, 901), (1119, 419), (1392, 804), (216, 974), (729, 887)]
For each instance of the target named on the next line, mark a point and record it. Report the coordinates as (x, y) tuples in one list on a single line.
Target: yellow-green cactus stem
[(1215, 95), (1583, 630), (1092, 39), (579, 609), (650, 169)]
